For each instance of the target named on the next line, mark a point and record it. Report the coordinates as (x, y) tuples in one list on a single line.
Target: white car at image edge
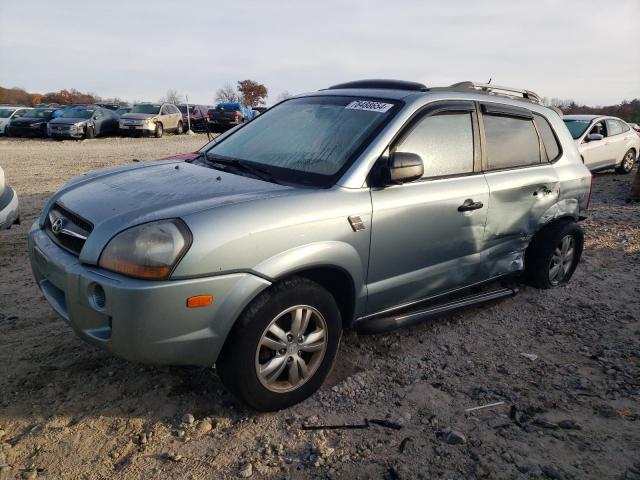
[(7, 112), (9, 210), (604, 142)]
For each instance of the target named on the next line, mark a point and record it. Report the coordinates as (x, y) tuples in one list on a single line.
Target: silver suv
[(369, 205)]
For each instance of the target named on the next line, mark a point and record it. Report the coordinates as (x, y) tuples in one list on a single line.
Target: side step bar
[(388, 323)]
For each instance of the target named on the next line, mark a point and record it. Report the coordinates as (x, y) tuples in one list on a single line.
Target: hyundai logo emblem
[(56, 226)]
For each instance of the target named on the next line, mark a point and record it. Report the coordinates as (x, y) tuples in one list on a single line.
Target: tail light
[(590, 190), (235, 116)]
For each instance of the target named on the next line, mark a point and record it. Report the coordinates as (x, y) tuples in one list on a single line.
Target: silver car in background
[(369, 205), (9, 208), (604, 142)]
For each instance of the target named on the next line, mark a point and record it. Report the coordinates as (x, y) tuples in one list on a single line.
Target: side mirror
[(403, 167), (594, 137)]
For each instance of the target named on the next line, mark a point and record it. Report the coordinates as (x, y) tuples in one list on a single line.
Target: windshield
[(151, 109), (576, 127), (183, 108), (38, 113), (121, 111), (76, 113), (314, 136)]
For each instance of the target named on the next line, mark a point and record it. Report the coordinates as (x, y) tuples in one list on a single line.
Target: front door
[(598, 153), (424, 239)]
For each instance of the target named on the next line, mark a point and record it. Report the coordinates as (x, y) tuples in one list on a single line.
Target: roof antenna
[(490, 78)]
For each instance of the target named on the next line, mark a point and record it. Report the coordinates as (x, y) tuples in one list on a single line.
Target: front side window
[(6, 112), (551, 146), (444, 142), (599, 129), (511, 142), (614, 127), (311, 139)]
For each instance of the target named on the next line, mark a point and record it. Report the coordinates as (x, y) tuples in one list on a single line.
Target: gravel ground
[(570, 411)]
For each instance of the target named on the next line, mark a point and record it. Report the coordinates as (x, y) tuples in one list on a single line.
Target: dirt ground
[(571, 409)]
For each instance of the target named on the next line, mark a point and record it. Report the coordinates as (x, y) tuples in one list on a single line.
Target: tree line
[(626, 110)]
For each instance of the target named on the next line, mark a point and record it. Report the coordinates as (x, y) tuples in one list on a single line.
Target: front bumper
[(146, 128), (139, 320), (66, 133), (26, 131), (9, 208)]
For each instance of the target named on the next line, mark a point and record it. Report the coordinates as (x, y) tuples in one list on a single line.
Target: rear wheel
[(179, 128), (283, 346), (554, 254), (159, 130), (627, 163)]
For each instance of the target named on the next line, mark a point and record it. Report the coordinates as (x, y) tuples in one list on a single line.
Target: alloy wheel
[(562, 259), (291, 348), (627, 161)]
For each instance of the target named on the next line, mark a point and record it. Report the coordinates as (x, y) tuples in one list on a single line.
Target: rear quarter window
[(510, 142), (549, 140), (614, 127)]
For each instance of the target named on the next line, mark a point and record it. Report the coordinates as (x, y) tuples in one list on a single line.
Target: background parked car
[(84, 122), (9, 211), (636, 127), (109, 106), (604, 142), (197, 116), (229, 114), (122, 110), (7, 113), (33, 123), (151, 119)]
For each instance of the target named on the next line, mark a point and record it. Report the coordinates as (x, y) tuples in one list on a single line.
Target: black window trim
[(435, 108), (543, 146), (502, 110)]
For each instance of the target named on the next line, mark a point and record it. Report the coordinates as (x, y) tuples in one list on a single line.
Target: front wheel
[(89, 132), (159, 130), (283, 347), (179, 129), (554, 254), (627, 163)]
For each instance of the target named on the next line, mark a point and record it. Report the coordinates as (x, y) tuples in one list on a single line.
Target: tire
[(558, 245), (159, 130), (89, 132), (179, 128), (627, 163), (283, 383)]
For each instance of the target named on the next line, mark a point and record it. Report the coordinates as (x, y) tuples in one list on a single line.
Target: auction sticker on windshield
[(369, 106)]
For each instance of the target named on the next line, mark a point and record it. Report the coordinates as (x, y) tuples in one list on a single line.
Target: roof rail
[(382, 84), (498, 90)]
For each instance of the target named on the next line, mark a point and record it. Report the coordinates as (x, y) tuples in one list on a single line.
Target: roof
[(582, 117)]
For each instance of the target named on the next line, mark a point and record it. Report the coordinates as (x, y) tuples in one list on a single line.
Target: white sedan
[(604, 142), (7, 112)]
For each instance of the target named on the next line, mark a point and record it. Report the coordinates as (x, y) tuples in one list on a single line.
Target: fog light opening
[(97, 296)]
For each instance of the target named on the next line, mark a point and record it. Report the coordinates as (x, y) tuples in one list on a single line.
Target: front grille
[(67, 229)]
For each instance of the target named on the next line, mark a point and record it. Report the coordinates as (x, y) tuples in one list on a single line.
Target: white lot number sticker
[(369, 106)]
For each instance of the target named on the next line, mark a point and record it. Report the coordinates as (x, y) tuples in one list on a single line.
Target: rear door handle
[(469, 205)]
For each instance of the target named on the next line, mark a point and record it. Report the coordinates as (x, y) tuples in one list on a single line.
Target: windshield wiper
[(241, 165)]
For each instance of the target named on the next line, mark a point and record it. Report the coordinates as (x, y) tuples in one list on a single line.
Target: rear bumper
[(9, 208), (145, 321)]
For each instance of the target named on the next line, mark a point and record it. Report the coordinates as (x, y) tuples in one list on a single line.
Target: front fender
[(330, 254)]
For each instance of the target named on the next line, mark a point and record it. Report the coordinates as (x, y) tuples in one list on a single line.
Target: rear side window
[(614, 127), (549, 140), (511, 142), (444, 142)]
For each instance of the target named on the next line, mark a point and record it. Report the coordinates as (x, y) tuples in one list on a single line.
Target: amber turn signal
[(199, 301)]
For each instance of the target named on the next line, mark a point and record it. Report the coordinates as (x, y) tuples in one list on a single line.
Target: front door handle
[(469, 205)]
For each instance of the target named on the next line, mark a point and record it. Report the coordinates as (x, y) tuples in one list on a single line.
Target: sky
[(585, 50)]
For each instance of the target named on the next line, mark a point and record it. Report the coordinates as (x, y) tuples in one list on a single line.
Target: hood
[(138, 116), (68, 121), (116, 199), (28, 121)]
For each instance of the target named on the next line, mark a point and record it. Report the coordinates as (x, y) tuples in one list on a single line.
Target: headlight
[(149, 251), (78, 125)]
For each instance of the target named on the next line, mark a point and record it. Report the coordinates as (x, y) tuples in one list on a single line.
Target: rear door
[(523, 184), (617, 138), (422, 242)]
